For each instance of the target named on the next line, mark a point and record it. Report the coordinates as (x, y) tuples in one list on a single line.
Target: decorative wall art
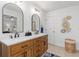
[(66, 24)]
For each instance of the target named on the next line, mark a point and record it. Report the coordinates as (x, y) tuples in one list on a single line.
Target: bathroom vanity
[(27, 46)]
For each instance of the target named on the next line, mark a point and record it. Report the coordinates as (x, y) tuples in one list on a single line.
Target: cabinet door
[(44, 45), (36, 51), (28, 52), (40, 46), (14, 49)]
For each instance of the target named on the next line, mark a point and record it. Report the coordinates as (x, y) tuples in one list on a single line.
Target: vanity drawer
[(27, 44), (37, 42), (44, 37)]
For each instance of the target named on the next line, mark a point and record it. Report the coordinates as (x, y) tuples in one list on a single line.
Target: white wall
[(54, 25), (27, 11)]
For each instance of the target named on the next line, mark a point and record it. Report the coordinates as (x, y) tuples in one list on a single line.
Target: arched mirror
[(12, 18), (35, 22)]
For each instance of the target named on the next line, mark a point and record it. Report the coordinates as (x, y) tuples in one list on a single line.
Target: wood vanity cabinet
[(31, 48), (0, 50), (40, 45)]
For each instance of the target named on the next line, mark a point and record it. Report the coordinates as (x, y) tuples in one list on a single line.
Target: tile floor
[(61, 51)]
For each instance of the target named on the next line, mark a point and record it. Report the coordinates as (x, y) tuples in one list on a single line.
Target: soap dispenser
[(41, 29)]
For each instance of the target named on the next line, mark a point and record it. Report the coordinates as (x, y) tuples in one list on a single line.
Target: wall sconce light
[(35, 11)]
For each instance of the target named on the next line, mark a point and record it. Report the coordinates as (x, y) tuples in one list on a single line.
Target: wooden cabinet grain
[(31, 48), (29, 52), (40, 45), (20, 54), (0, 50)]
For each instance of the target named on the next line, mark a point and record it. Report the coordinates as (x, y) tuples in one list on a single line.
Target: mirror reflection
[(12, 19), (35, 22)]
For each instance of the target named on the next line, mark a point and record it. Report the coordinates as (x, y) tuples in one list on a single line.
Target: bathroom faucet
[(11, 36), (16, 35)]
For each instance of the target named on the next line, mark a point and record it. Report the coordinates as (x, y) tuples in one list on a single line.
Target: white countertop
[(9, 42)]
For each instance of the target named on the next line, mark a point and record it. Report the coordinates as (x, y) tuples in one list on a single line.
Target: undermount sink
[(10, 41)]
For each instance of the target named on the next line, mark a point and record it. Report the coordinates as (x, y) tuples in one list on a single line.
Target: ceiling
[(54, 5)]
